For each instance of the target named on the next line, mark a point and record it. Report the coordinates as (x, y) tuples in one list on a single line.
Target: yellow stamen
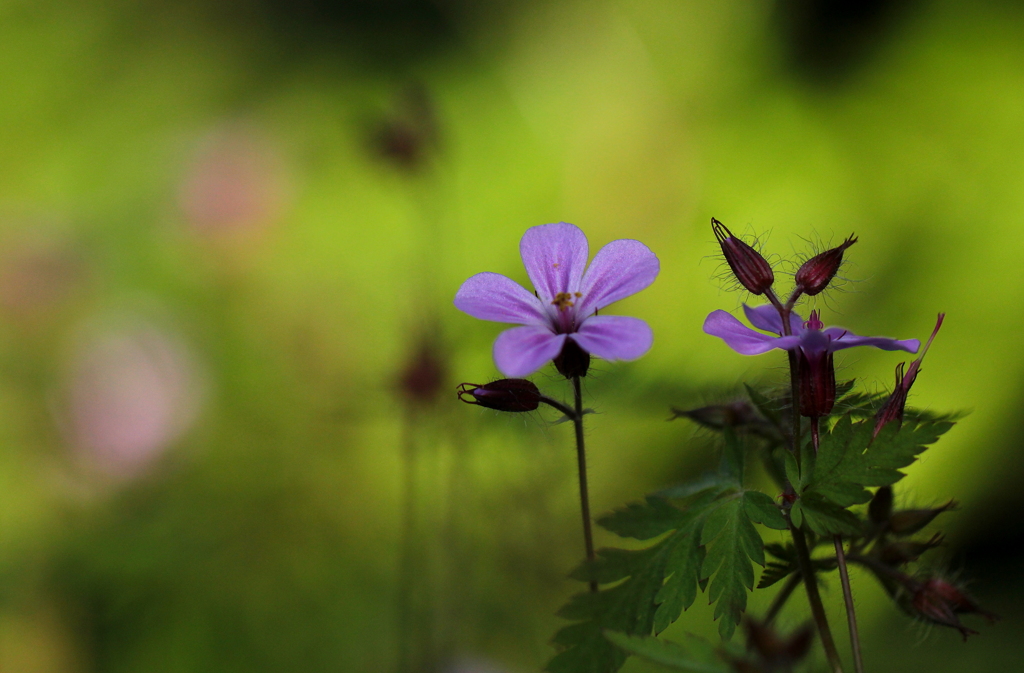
[(563, 300)]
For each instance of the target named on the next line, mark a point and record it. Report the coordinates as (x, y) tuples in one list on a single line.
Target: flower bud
[(910, 521), (739, 415), (815, 274), (906, 551), (938, 601), (750, 268), (772, 650), (880, 508), (504, 395), (894, 407)]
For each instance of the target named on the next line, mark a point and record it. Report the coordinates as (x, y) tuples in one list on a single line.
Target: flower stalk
[(581, 463)]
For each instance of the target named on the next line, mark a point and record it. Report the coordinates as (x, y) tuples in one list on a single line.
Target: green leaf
[(825, 517), (732, 543), (645, 520), (848, 461), (680, 589), (696, 655), (775, 571), (630, 606), (763, 510)]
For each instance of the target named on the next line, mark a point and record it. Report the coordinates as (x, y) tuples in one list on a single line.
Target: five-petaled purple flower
[(563, 310), (807, 336)]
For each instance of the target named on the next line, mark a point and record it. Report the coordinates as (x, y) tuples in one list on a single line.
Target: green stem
[(851, 616), (803, 559), (581, 462)]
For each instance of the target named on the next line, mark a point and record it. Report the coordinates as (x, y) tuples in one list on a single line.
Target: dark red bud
[(906, 551), (895, 405), (817, 384), (775, 651), (572, 361), (938, 601), (815, 274), (504, 395), (424, 375), (880, 508), (739, 415), (750, 268), (910, 521)]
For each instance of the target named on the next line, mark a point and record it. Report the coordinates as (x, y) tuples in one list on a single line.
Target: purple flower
[(808, 336), (564, 308)]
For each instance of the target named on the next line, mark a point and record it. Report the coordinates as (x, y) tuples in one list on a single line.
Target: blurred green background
[(230, 233)]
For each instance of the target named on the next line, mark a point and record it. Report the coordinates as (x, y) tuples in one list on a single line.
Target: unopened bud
[(894, 407), (815, 274), (880, 508), (739, 415), (906, 551), (504, 395), (750, 268), (940, 602), (775, 651), (910, 521)]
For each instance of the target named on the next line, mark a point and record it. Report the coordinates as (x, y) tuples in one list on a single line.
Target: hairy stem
[(780, 598), (803, 559), (581, 460), (851, 616), (803, 554)]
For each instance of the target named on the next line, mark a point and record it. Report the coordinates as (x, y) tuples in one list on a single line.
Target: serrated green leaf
[(848, 460), (696, 655), (825, 517), (680, 588), (631, 605), (643, 520), (706, 482), (732, 544), (774, 571), (763, 510)]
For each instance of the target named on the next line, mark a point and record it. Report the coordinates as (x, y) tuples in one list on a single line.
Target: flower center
[(814, 322), (563, 300)]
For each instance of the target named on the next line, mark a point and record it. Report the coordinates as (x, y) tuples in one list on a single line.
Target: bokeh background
[(230, 233)]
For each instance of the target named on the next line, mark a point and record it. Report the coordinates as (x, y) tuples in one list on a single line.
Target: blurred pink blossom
[(133, 391), (235, 185)]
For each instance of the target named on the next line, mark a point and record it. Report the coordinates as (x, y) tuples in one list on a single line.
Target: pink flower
[(563, 312)]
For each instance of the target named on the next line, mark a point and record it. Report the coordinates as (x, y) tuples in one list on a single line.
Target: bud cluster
[(755, 274)]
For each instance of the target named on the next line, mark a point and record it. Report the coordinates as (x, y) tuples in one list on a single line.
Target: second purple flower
[(560, 320)]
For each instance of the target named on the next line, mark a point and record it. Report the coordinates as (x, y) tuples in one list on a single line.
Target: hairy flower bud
[(750, 268), (906, 551), (910, 521), (815, 274), (938, 601), (894, 407), (504, 395), (774, 651), (739, 415)]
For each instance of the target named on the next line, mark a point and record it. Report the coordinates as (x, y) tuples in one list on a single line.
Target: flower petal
[(554, 256), (844, 339), (492, 296), (766, 318), (521, 351), (614, 337), (619, 269), (741, 338)]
